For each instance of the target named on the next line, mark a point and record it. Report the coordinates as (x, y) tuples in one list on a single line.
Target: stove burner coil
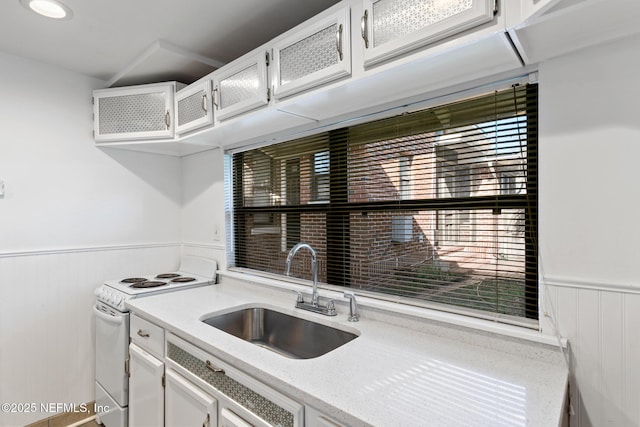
[(167, 276), (148, 284), (183, 279), (133, 280)]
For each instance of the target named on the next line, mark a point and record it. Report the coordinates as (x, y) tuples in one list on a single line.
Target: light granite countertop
[(391, 375)]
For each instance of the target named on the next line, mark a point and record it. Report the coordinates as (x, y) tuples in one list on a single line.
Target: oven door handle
[(107, 317)]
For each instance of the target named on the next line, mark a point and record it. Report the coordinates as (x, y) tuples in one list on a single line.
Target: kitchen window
[(434, 208)]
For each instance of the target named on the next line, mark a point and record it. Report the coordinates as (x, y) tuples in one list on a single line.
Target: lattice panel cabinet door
[(315, 53), (134, 112), (252, 401), (194, 107), (390, 28), (242, 85)]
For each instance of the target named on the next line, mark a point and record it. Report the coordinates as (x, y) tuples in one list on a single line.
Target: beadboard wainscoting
[(46, 321), (602, 323)]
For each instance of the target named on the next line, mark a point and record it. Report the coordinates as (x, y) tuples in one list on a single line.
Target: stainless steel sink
[(287, 335)]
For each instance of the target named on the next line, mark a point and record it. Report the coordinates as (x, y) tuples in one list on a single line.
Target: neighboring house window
[(436, 207), (404, 176), (291, 221), (508, 182), (260, 191), (320, 178), (402, 225), (454, 181)]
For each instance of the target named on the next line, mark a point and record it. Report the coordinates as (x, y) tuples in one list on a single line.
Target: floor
[(64, 420)]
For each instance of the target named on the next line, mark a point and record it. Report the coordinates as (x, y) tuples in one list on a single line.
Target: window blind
[(436, 207)]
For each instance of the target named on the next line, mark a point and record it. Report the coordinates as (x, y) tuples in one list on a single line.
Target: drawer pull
[(339, 42), (204, 102), (207, 421), (143, 334), (364, 28), (213, 368), (214, 97)]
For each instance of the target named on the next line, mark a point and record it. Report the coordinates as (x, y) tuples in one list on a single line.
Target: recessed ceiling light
[(49, 8)]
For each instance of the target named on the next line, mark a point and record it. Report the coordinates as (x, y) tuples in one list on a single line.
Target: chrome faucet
[(314, 305)]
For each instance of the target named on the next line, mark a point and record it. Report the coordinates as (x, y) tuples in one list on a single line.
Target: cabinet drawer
[(147, 335), (257, 403)]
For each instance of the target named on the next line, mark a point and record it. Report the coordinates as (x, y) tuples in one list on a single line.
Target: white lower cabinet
[(188, 405), (190, 387), (242, 400), (146, 391)]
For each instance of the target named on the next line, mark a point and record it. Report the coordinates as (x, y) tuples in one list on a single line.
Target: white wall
[(589, 232), (203, 221), (60, 189), (72, 216)]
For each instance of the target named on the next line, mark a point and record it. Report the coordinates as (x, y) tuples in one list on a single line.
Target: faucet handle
[(331, 308)]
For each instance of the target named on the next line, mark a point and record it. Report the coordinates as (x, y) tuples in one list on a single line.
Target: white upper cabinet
[(242, 85), (194, 107), (390, 28), (134, 112), (317, 52)]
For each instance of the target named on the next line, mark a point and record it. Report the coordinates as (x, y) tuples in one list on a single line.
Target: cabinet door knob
[(143, 334)]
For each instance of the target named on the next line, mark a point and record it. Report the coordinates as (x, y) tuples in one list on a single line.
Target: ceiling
[(143, 41)]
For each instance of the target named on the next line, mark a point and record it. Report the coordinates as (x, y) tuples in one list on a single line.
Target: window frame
[(338, 208)]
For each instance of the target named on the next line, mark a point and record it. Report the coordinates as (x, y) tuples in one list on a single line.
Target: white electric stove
[(112, 329)]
